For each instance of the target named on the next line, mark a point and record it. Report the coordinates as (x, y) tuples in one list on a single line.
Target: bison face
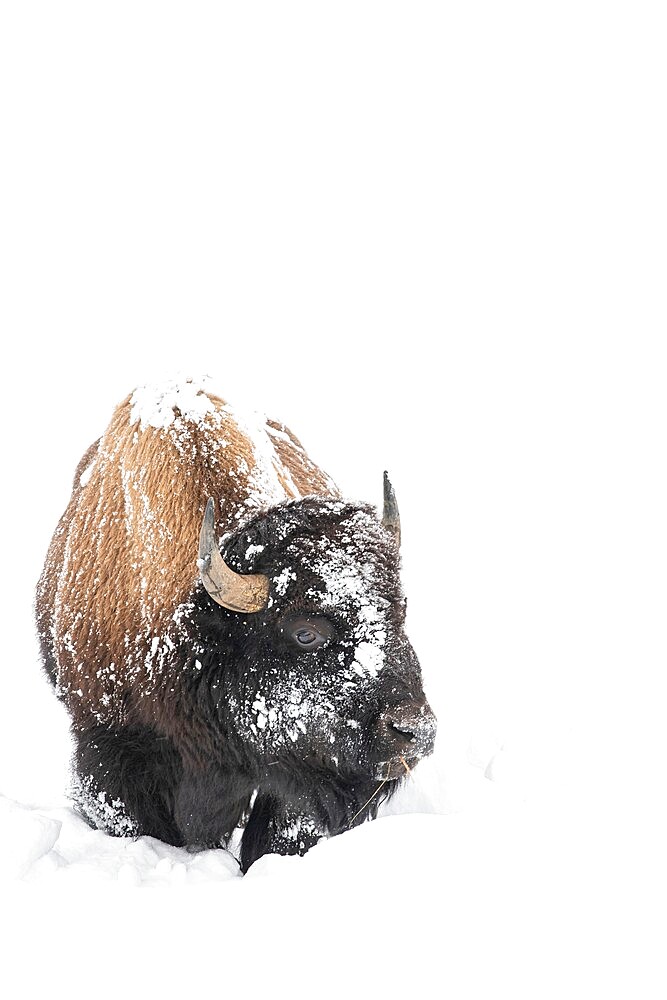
[(324, 674)]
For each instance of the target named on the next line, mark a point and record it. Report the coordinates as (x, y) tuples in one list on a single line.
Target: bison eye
[(307, 633)]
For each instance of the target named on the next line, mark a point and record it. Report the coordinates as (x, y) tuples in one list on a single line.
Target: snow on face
[(326, 701), (291, 710), (350, 584)]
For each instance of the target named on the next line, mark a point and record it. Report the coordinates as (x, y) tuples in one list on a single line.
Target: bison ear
[(231, 590), (390, 517)]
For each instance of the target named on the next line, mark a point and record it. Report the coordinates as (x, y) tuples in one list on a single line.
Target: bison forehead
[(349, 577), (338, 550), (328, 557), (348, 565)]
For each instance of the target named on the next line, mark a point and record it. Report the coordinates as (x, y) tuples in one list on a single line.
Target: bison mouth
[(392, 770)]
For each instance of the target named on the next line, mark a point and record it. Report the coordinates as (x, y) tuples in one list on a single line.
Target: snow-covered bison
[(266, 685)]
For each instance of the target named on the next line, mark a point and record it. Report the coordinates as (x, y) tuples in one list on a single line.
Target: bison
[(227, 633)]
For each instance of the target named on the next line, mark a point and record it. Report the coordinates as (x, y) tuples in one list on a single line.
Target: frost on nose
[(409, 729)]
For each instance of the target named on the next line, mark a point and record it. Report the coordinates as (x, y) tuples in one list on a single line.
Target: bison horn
[(231, 590), (390, 516)]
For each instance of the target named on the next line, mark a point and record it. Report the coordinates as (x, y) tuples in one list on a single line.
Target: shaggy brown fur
[(123, 557)]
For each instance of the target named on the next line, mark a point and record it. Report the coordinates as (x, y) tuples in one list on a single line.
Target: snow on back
[(84, 478), (181, 403), (154, 405), (265, 487)]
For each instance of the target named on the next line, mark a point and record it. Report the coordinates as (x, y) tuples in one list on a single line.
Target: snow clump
[(153, 405)]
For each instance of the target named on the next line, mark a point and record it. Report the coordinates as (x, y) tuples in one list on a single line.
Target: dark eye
[(307, 633)]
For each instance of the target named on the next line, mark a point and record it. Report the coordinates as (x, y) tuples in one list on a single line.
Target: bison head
[(308, 630)]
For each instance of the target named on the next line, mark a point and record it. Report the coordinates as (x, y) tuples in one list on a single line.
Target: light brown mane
[(123, 556)]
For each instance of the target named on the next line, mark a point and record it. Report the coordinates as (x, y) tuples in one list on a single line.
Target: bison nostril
[(408, 729), (402, 732)]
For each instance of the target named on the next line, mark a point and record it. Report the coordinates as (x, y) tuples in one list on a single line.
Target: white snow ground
[(500, 898), (500, 871)]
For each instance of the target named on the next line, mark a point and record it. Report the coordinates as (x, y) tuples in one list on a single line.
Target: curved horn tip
[(390, 516), (389, 493), (207, 532), (209, 513)]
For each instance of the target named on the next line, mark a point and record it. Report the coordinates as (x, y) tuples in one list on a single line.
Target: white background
[(428, 237)]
